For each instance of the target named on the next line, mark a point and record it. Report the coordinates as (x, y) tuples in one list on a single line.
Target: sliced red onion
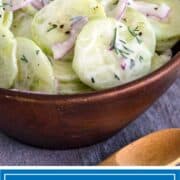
[(123, 65), (150, 9), (62, 48), (14, 5), (39, 4), (17, 4), (121, 8), (163, 11)]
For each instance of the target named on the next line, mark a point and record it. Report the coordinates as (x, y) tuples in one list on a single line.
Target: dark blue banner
[(90, 174)]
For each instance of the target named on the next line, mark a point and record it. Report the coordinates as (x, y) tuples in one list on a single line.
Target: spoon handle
[(111, 161), (156, 149), (175, 163)]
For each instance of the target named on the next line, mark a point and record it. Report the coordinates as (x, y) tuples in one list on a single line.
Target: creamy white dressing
[(79, 46)]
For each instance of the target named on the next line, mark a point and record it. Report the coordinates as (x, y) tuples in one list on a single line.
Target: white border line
[(89, 168), (88, 174)]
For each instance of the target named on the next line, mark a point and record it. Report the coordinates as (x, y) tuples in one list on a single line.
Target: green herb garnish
[(24, 59), (52, 27), (135, 33), (119, 46)]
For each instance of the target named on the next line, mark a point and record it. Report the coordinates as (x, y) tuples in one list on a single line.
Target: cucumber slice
[(160, 60), (67, 82), (8, 62), (110, 55), (8, 19), (134, 19), (22, 22), (63, 71), (53, 23), (169, 28), (137, 20), (1, 12), (109, 6), (165, 30), (35, 71), (166, 44), (73, 88)]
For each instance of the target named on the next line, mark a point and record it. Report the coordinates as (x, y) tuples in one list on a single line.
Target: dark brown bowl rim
[(98, 95)]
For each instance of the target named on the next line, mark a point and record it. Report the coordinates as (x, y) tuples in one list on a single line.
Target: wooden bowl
[(58, 122)]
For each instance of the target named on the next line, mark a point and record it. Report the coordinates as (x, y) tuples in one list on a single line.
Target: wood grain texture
[(165, 113)]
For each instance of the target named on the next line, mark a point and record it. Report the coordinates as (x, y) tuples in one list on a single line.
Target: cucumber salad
[(80, 46)]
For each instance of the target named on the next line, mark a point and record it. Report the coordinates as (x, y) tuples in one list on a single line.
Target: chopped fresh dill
[(93, 80), (37, 52), (24, 59), (119, 46), (3, 5), (135, 33), (141, 58), (52, 27), (116, 77)]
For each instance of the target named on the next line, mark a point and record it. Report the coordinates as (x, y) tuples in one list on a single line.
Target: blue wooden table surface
[(165, 113)]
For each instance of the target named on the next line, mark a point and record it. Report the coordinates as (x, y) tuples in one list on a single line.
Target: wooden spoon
[(156, 149)]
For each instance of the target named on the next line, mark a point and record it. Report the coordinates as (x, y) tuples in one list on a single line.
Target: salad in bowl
[(80, 46)]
